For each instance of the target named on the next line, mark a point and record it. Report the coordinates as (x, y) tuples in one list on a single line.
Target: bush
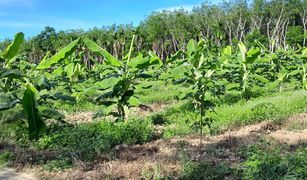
[(204, 170), (270, 164), (6, 157), (86, 141), (58, 165)]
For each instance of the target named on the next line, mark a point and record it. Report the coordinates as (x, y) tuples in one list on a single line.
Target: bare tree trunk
[(304, 21)]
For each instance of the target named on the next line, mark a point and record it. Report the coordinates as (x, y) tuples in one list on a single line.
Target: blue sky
[(31, 16)]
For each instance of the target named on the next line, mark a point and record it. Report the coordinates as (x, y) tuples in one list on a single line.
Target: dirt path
[(11, 174), (131, 162), (140, 112)]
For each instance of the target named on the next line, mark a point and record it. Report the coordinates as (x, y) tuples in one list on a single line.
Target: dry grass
[(130, 162)]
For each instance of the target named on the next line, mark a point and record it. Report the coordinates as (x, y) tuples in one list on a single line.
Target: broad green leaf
[(58, 71), (197, 74), (12, 50), (191, 48), (41, 81), (243, 51), (36, 124), (155, 60), (175, 56), (62, 97), (90, 91), (295, 72), (76, 72), (232, 86), (106, 110), (61, 55), (134, 101), (51, 113), (209, 73), (8, 105), (227, 51), (9, 73), (260, 78), (70, 69), (92, 46), (253, 54), (175, 73), (107, 83), (139, 62), (106, 95)]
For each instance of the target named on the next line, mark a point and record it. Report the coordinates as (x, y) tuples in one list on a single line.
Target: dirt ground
[(11, 174), (131, 162)]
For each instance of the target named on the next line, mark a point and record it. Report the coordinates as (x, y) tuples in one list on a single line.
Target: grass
[(160, 92), (66, 145), (180, 118), (266, 162), (262, 160), (88, 142), (275, 107), (297, 126), (5, 158)]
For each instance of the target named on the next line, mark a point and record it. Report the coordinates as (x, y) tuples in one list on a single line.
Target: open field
[(169, 146), (218, 92)]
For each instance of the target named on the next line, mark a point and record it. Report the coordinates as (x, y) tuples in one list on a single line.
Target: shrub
[(271, 164), (86, 141), (6, 157)]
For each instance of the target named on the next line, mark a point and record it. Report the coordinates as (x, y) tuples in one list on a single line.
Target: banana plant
[(198, 70), (36, 124), (18, 90), (119, 86), (302, 68), (248, 57)]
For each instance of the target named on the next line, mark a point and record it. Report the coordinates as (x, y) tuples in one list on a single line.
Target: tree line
[(271, 23)]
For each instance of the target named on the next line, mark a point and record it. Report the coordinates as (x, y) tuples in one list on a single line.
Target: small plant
[(58, 165), (6, 157), (198, 70), (247, 58), (120, 85), (267, 163)]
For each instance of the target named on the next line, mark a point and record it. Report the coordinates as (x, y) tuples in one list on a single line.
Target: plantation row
[(207, 73)]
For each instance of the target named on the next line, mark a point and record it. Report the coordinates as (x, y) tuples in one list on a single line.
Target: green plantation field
[(202, 112)]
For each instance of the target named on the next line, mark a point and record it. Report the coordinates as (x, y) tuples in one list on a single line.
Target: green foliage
[(58, 165), (35, 122), (295, 35), (12, 50), (98, 50), (6, 157), (204, 170), (121, 84), (179, 118), (60, 56), (87, 141), (271, 164), (247, 57)]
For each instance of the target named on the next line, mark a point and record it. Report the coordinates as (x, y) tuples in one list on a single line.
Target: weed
[(6, 157), (58, 165)]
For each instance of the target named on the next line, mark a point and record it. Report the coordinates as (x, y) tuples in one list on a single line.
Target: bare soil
[(132, 162), (140, 112)]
